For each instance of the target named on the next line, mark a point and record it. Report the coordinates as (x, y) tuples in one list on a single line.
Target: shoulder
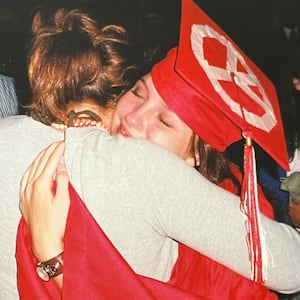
[(10, 122), (17, 121), (6, 81), (94, 143), (25, 127), (8, 97)]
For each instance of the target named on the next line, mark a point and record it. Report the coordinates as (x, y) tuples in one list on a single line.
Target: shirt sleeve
[(8, 97), (183, 205)]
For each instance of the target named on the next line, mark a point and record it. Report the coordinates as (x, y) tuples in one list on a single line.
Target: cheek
[(181, 146), (168, 141), (126, 104), (156, 135), (177, 142), (119, 113), (115, 120)]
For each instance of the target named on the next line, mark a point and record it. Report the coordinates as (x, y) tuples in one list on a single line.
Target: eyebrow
[(142, 79)]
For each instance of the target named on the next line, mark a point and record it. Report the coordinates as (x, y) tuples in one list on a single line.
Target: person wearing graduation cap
[(148, 229)]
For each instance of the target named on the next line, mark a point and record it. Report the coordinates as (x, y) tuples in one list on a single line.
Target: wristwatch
[(50, 268)]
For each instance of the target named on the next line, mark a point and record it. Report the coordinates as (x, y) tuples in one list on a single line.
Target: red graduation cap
[(222, 95), (217, 90)]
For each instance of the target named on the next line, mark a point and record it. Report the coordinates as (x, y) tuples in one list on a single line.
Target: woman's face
[(141, 113)]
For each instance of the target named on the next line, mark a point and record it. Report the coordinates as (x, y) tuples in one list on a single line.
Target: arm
[(37, 184), (196, 221), (204, 216)]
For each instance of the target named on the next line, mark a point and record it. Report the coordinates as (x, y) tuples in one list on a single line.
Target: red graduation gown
[(94, 269)]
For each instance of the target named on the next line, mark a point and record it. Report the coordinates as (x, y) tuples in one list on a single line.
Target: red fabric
[(209, 78), (251, 204), (93, 268), (29, 285), (215, 128), (221, 94), (196, 272), (264, 205), (250, 208), (101, 273)]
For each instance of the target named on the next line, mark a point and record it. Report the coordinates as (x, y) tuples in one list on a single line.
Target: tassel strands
[(250, 208)]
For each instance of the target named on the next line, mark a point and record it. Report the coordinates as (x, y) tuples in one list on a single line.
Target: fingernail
[(61, 167)]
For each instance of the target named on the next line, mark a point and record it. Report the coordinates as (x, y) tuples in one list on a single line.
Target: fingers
[(28, 173), (47, 163), (62, 183), (44, 212), (39, 176), (49, 156)]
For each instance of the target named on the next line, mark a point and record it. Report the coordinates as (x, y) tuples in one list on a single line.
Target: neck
[(85, 118)]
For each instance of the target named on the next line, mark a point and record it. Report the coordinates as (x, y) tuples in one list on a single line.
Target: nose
[(135, 119)]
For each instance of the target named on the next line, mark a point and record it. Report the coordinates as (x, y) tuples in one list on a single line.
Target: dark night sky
[(249, 23), (240, 19)]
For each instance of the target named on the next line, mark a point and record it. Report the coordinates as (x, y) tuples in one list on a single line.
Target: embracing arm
[(37, 198), (184, 205), (189, 208)]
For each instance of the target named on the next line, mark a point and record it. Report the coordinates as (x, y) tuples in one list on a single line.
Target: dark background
[(255, 25)]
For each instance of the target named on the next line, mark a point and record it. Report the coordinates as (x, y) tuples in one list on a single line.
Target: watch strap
[(50, 268)]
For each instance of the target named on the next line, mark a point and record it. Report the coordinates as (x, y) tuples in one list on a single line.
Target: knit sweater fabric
[(144, 198)]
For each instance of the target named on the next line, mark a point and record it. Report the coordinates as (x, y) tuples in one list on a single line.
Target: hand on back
[(44, 201)]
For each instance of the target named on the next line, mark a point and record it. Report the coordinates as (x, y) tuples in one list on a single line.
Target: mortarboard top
[(217, 90)]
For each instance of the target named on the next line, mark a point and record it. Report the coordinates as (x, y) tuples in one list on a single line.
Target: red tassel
[(249, 207)]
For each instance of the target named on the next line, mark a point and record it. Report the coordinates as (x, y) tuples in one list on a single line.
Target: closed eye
[(164, 122), (134, 91)]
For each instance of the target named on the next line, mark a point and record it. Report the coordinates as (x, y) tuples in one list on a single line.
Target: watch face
[(50, 268), (42, 273)]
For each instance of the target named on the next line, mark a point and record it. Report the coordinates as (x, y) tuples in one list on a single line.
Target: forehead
[(153, 95)]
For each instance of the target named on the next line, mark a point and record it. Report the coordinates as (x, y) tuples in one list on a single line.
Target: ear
[(193, 159)]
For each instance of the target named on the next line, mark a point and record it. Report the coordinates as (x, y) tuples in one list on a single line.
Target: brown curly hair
[(212, 164), (71, 59)]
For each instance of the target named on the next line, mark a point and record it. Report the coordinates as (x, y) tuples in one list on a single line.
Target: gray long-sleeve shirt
[(144, 199)]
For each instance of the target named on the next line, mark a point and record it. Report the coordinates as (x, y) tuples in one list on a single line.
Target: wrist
[(44, 253), (51, 268)]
